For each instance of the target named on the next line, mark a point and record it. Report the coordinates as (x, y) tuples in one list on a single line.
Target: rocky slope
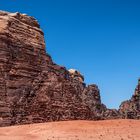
[(35, 89), (130, 109)]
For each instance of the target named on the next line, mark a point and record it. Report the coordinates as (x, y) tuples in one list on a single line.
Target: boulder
[(76, 75)]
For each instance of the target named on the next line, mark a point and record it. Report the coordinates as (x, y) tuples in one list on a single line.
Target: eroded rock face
[(76, 75), (130, 109), (32, 87)]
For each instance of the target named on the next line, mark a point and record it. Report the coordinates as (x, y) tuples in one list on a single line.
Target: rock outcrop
[(34, 89), (130, 109), (76, 75)]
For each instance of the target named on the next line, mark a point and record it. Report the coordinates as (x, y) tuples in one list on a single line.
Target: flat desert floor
[(74, 130)]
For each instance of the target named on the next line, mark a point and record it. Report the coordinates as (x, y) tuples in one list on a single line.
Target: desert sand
[(74, 130)]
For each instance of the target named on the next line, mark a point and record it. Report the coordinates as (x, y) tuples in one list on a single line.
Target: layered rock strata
[(130, 109), (34, 89)]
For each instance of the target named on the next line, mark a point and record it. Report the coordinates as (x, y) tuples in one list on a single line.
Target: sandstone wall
[(34, 89)]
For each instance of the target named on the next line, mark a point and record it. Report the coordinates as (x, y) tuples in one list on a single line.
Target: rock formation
[(76, 75), (130, 109), (34, 89)]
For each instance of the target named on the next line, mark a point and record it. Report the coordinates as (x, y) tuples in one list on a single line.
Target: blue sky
[(100, 38)]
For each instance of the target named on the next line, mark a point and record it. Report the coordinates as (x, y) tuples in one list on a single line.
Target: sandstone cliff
[(32, 87), (130, 109), (35, 89)]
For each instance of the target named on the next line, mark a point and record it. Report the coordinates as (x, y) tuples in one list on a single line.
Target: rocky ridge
[(34, 89), (130, 109)]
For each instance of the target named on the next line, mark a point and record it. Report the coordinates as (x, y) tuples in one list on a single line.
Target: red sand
[(74, 130)]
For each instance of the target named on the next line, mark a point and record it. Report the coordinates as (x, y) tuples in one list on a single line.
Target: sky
[(100, 38)]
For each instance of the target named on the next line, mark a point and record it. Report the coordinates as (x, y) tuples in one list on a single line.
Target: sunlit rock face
[(130, 109), (32, 87), (76, 75), (22, 61)]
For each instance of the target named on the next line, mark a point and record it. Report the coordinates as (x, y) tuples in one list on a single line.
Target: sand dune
[(75, 130)]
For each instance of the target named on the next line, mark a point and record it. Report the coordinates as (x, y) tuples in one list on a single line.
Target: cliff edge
[(33, 88)]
